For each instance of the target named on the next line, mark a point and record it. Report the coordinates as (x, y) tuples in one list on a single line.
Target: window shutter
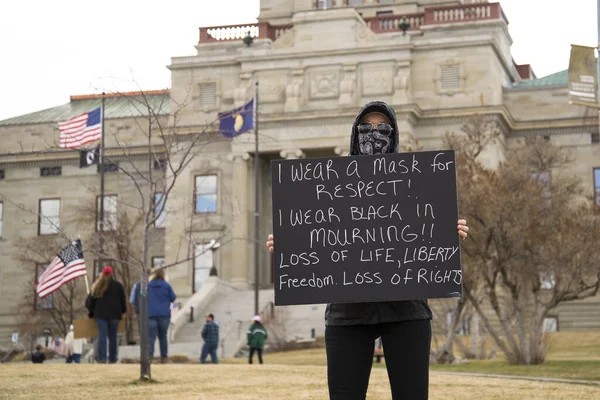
[(208, 94), (450, 78)]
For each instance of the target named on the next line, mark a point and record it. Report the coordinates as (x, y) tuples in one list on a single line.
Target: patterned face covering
[(374, 139)]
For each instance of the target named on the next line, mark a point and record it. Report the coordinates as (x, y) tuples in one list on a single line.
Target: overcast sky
[(53, 49)]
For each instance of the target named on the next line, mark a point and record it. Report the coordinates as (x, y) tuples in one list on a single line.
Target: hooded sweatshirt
[(160, 297), (382, 312)]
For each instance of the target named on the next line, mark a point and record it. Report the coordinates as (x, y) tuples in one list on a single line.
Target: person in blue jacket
[(160, 297)]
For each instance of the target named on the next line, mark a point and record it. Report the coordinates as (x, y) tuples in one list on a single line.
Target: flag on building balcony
[(65, 267), (583, 79), (80, 130), (237, 121), (89, 157)]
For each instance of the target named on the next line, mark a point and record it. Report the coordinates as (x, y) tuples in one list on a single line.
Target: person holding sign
[(404, 326)]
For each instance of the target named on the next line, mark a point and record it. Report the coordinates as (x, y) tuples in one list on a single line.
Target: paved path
[(521, 377)]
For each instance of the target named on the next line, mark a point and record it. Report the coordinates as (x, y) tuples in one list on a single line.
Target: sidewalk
[(521, 377)]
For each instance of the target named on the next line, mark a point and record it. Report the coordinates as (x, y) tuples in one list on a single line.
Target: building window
[(324, 4), (51, 171), (354, 3), (110, 213), (203, 262), (160, 211), (160, 164), (550, 324), (2, 172), (597, 185), (49, 217), (110, 167), (595, 137), (207, 96), (47, 303), (97, 270), (159, 262), (205, 193), (450, 76), (547, 280), (1, 217)]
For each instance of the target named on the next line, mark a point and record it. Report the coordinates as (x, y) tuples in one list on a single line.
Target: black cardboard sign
[(366, 228)]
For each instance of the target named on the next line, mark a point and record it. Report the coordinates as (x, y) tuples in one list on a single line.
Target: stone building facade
[(317, 61)]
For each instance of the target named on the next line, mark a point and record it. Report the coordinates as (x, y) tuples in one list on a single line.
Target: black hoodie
[(375, 313)]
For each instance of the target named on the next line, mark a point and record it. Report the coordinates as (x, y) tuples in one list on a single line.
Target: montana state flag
[(238, 121)]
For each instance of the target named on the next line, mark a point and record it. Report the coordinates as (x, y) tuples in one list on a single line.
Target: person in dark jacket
[(257, 334), (106, 304), (160, 297), (38, 356), (404, 326), (210, 334)]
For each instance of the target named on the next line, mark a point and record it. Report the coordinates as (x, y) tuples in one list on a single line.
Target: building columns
[(240, 218), (292, 154)]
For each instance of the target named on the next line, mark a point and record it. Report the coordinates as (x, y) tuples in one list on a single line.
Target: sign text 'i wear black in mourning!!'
[(366, 228)]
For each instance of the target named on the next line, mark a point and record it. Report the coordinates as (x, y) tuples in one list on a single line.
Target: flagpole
[(101, 166), (256, 202)]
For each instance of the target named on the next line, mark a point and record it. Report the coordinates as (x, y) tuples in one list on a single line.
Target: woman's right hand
[(270, 243)]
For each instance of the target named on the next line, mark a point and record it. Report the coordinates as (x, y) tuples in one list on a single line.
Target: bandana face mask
[(374, 139)]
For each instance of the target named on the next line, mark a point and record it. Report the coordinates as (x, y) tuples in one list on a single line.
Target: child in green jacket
[(257, 334)]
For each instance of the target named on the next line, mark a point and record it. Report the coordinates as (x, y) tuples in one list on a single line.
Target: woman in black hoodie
[(106, 304), (404, 326)]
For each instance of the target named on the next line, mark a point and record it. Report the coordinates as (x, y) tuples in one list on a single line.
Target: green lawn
[(570, 356)]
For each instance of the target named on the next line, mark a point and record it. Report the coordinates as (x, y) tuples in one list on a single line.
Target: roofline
[(536, 87), (120, 94)]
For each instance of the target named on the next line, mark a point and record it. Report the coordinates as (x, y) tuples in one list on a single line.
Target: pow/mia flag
[(89, 157)]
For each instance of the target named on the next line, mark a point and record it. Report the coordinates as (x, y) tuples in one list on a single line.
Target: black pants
[(406, 348), (259, 352)]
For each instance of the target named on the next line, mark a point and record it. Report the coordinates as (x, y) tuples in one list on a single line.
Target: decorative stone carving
[(402, 88), (271, 90), (324, 85), (377, 80), (362, 33), (293, 91), (286, 40), (241, 94), (236, 157), (348, 85), (291, 154)]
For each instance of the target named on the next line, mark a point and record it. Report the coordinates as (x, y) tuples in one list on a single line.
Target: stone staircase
[(233, 310)]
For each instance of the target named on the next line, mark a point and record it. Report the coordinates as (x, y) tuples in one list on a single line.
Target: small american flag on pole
[(80, 130), (65, 267)]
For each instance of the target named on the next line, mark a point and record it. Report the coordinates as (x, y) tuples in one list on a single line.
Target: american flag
[(65, 267), (81, 130)]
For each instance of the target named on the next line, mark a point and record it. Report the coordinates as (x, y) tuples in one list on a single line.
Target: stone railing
[(261, 30), (381, 24), (391, 23), (463, 13)]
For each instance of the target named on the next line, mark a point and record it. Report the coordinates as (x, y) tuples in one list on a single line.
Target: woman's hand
[(271, 243), (462, 228)]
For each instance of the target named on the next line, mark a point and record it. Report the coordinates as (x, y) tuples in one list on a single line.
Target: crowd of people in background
[(107, 305)]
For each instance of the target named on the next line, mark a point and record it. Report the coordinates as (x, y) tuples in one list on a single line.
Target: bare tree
[(533, 241)]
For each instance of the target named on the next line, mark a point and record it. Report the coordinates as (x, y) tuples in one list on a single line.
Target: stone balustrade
[(463, 13), (381, 24), (391, 23), (261, 30)]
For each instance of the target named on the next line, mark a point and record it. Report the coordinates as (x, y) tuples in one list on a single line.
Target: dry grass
[(227, 381)]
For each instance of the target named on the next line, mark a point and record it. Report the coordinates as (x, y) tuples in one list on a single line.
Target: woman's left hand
[(462, 228)]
